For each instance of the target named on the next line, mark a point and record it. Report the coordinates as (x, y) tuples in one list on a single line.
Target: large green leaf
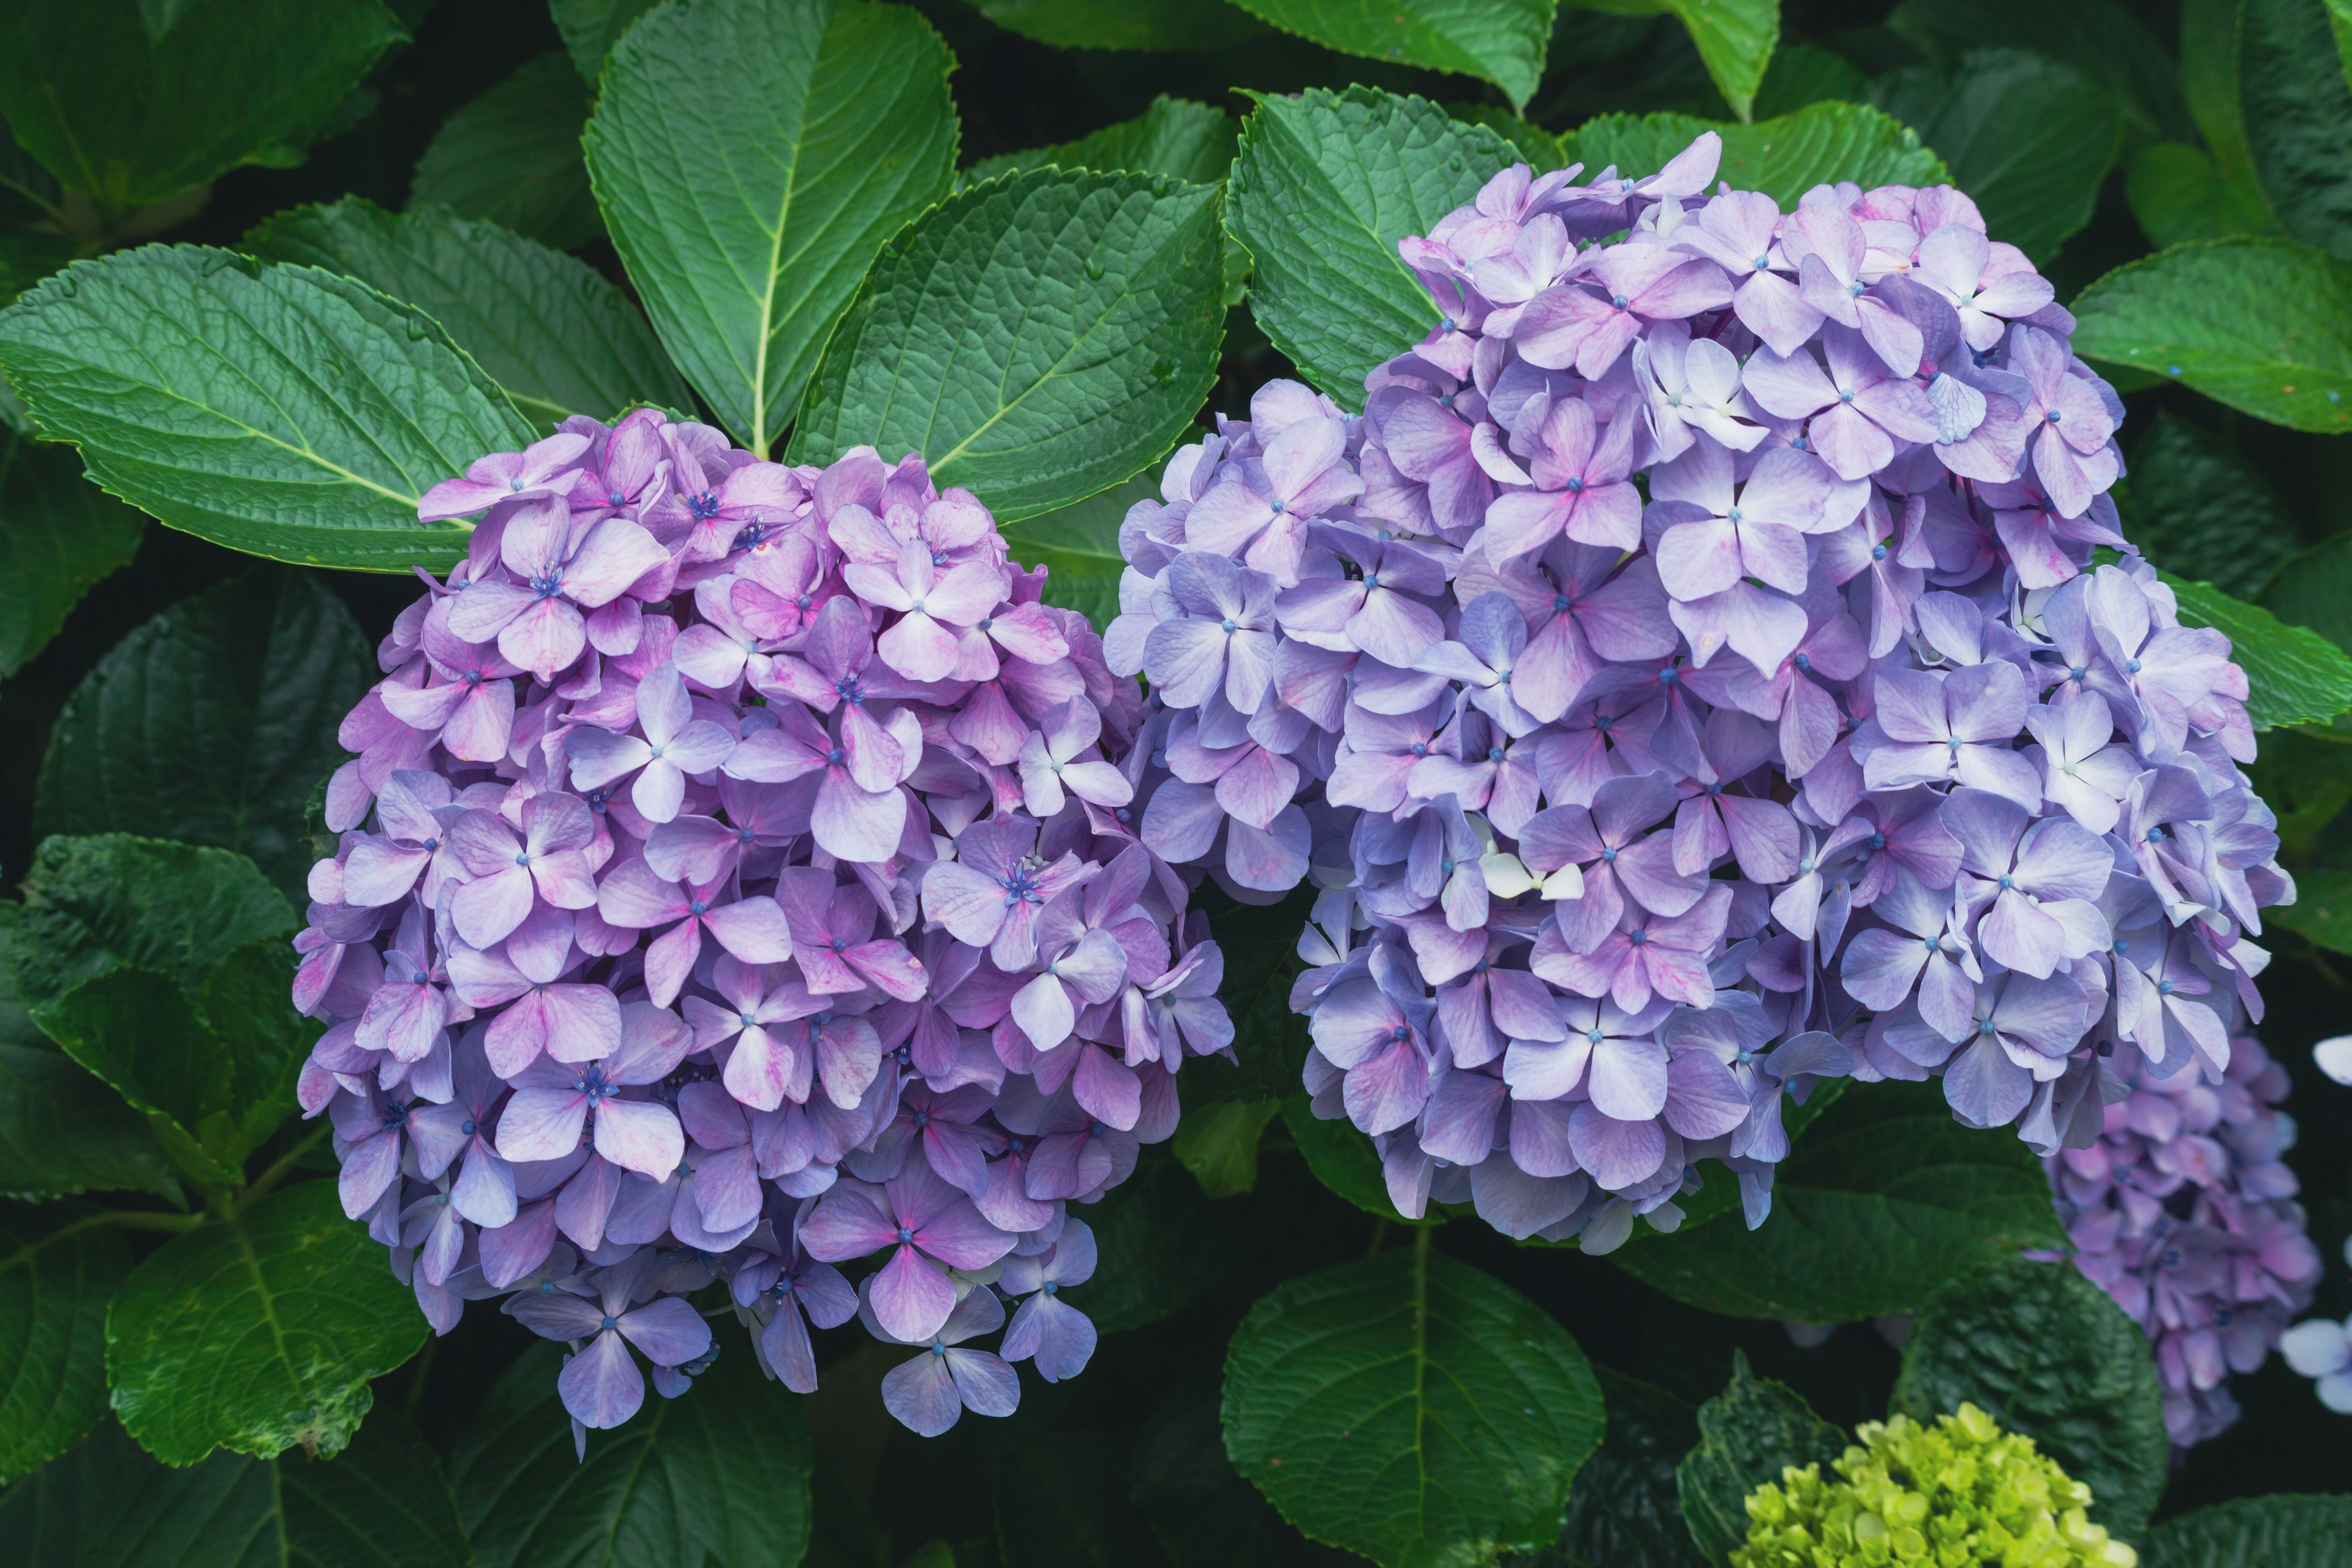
[(258, 1331), (216, 1067), (382, 1503), (2044, 1351), (2295, 674), (752, 156), (1036, 339), (2195, 506), (553, 332), (2263, 325), (2103, 39), (1218, 1143), (1735, 39), (1409, 1408), (127, 120), (213, 722), (278, 410), (1326, 185), (1884, 1199), (1501, 41), (2282, 1531), (2299, 119), (2180, 193), (591, 28), (97, 904), (1175, 136), (2321, 910), (1344, 1161), (1161, 1243), (1078, 547), (1127, 25), (58, 535), (720, 1475), (2029, 139), (1624, 1508), (512, 156), (1784, 158), (1748, 1435), (59, 1265)]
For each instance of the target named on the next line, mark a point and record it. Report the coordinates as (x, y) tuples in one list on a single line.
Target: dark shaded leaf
[(2299, 119), (2284, 1531), (2295, 676), (94, 904), (1345, 1161), (1175, 136), (2107, 40), (1501, 41), (1218, 1143), (1202, 1512), (1735, 39), (2044, 1351), (1884, 1200), (211, 724), (512, 156), (1078, 547), (1061, 1502), (1161, 1245), (1625, 1511), (1129, 25), (59, 1265), (59, 534), (591, 28), (2197, 508), (1748, 1435)]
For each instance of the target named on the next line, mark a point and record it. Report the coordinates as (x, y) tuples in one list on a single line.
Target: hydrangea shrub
[(1694, 676), (735, 879)]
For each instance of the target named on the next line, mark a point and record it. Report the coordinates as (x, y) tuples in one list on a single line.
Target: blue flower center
[(1803, 661), (851, 690), (703, 507), (1639, 938), (1878, 552)]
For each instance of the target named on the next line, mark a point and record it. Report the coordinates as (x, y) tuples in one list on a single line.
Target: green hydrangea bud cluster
[(1959, 1493)]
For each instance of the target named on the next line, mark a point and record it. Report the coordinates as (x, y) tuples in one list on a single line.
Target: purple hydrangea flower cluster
[(735, 880), (1830, 752), (2183, 1210)]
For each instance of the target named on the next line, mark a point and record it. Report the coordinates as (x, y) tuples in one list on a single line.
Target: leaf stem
[(259, 1186), (1380, 1234)]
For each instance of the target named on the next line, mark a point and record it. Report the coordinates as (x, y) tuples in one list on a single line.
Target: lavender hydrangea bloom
[(738, 878), (1841, 753), (2182, 1209)]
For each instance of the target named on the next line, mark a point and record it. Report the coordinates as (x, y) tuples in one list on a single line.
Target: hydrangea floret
[(735, 880), (1960, 1492), (2184, 1212), (1692, 677)]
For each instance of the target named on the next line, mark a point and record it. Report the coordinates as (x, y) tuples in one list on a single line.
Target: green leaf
[(2301, 776), (1201, 1513), (213, 722), (59, 535), (1801, 75), (1037, 339), (1260, 943), (1128, 24), (95, 904), (1175, 136), (548, 327), (2029, 139), (1344, 1159), (1325, 186), (1624, 1509), (63, 1131), (2313, 588), (2263, 325), (1735, 39), (1501, 41), (126, 120), (1078, 547), (29, 255), (1218, 1143), (2044, 1351), (2297, 675), (512, 156), (2282, 1531), (1884, 1199), (752, 156), (2299, 119), (591, 28), (277, 410), (2194, 506), (1409, 1408), (382, 1502), (1748, 1435), (2178, 194), (1537, 147), (1783, 158), (2103, 39), (59, 1265), (258, 1332), (2321, 910), (670, 1489), (1161, 1245)]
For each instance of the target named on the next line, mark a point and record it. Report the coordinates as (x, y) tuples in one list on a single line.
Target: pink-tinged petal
[(1387, 1090), (602, 1386), (1699, 558), (368, 1174), (970, 905), (852, 824), (1107, 1087), (911, 1297), (488, 909), (640, 1135), (616, 553), (1044, 1010), (848, 1222), (635, 897), (541, 1124), (545, 638), (753, 928)]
